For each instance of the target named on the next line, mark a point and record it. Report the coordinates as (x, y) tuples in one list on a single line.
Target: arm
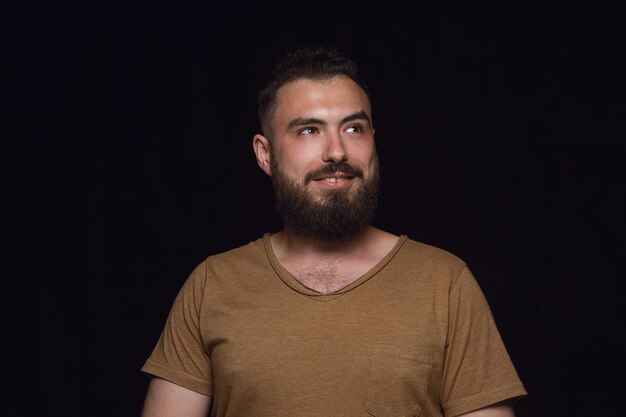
[(166, 399), (478, 374), (503, 409)]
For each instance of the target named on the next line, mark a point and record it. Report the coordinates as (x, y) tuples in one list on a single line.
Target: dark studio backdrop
[(500, 131)]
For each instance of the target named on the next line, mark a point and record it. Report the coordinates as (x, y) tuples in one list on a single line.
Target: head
[(320, 149), (313, 63)]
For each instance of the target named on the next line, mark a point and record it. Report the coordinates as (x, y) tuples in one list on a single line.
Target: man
[(330, 316)]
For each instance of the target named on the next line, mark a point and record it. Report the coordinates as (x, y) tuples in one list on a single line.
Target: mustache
[(333, 167)]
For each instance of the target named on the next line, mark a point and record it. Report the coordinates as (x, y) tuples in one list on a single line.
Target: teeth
[(333, 179)]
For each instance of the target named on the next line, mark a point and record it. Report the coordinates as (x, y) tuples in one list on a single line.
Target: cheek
[(365, 153), (297, 159), (292, 168)]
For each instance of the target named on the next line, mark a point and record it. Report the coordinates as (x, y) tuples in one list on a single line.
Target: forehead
[(325, 99)]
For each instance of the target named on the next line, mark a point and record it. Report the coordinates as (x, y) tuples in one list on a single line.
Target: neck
[(289, 244), (328, 266)]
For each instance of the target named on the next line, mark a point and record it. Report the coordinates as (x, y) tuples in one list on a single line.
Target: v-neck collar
[(297, 286)]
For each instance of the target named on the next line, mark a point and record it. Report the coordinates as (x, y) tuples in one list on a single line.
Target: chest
[(289, 348), (328, 276)]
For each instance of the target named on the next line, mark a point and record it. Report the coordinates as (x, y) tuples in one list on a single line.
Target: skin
[(165, 399), (316, 122), (503, 409)]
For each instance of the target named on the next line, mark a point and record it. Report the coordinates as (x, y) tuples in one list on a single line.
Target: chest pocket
[(399, 381)]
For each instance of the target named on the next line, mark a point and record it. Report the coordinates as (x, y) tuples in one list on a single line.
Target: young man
[(330, 316)]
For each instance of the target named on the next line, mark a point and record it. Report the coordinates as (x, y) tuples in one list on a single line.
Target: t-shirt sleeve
[(477, 369), (180, 356)]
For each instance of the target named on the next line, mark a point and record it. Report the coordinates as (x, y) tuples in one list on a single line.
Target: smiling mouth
[(334, 180), (334, 174)]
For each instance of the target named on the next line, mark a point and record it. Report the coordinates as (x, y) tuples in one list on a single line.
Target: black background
[(128, 160)]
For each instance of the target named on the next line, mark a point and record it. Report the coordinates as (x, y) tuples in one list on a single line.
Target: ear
[(261, 147)]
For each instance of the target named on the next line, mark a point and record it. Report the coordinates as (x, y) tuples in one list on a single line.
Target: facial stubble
[(337, 215)]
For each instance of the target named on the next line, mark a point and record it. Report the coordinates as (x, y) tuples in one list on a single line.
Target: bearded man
[(330, 316)]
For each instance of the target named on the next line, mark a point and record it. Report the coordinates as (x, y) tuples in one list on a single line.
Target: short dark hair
[(312, 62)]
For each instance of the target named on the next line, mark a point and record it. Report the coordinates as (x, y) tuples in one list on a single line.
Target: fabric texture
[(412, 337)]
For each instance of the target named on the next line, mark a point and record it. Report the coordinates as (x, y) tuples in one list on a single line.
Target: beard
[(338, 215)]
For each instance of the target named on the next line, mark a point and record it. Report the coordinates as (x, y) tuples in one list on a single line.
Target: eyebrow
[(361, 115), (303, 121)]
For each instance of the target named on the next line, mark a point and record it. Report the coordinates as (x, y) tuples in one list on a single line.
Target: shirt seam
[(183, 375), (475, 396), (324, 298), (458, 277)]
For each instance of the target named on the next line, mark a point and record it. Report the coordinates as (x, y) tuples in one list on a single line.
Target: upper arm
[(503, 409), (477, 370), (166, 399)]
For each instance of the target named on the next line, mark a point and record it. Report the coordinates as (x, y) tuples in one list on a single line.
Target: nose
[(335, 150)]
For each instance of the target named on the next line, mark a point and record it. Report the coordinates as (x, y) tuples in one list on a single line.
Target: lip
[(345, 180), (333, 175)]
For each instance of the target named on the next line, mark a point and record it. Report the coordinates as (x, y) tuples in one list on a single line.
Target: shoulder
[(235, 267), (429, 255), (253, 249), (428, 264)]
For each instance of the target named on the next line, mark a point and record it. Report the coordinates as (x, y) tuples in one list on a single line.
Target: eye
[(309, 130), (354, 129)]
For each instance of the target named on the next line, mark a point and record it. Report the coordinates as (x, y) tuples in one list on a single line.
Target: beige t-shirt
[(412, 337)]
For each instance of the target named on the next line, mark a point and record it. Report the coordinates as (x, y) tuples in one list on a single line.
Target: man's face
[(323, 158)]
